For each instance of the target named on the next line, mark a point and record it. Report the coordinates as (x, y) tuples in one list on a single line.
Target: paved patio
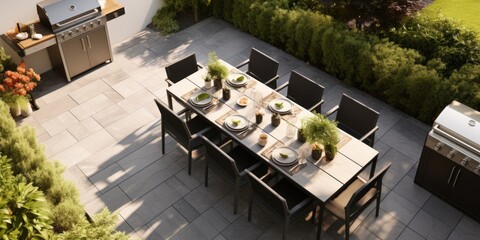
[(104, 127)]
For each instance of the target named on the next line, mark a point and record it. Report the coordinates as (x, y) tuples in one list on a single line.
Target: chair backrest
[(174, 125), (304, 91), (266, 197), (220, 160), (356, 118), (182, 68), (262, 66), (353, 207)]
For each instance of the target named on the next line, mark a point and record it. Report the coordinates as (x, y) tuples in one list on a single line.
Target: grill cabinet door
[(434, 172), (98, 47), (465, 191), (76, 55)]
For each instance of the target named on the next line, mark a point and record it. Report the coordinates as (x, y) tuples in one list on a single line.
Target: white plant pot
[(27, 111), (15, 109), (208, 84)]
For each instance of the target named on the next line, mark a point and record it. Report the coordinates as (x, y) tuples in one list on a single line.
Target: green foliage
[(319, 129), (439, 37), (102, 228), (23, 208), (164, 20), (182, 5), (216, 70), (6, 62)]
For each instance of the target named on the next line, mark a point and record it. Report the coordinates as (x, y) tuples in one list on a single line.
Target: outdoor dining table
[(321, 179)]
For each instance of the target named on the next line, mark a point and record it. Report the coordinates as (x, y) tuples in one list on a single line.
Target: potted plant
[(216, 71), (14, 88), (317, 150), (317, 129)]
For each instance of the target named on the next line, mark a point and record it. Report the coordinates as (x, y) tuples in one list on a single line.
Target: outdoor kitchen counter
[(112, 10)]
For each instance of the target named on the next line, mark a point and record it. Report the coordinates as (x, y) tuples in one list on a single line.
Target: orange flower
[(2, 89)]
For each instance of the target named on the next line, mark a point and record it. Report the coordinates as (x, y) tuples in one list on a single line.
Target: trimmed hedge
[(403, 77)]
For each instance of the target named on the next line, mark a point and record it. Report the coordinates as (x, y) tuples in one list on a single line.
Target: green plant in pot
[(216, 70), (317, 129)]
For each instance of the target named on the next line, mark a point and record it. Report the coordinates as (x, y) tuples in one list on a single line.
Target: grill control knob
[(92, 24), (477, 170), (438, 146), (70, 33), (63, 36), (464, 161), (77, 30), (451, 154), (85, 27)]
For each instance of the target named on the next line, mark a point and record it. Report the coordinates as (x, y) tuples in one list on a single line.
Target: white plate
[(284, 161), (243, 124), (21, 36), (232, 79), (243, 104), (37, 36), (201, 103), (286, 105)]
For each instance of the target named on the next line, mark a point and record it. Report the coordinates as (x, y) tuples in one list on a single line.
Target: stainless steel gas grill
[(450, 162), (81, 33)]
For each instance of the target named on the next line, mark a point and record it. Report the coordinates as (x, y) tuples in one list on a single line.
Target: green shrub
[(439, 38), (276, 34), (102, 228), (23, 208), (164, 20)]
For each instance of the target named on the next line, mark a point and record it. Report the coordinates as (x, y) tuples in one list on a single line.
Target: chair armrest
[(229, 141), (311, 109), (200, 65), (183, 111), (299, 206), (271, 80), (331, 111), (369, 133), (169, 82), (255, 166), (202, 132), (243, 63), (282, 86)]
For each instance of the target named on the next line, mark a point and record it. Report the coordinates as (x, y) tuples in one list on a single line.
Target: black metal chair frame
[(304, 91), (353, 111), (353, 209), (259, 65), (180, 70), (288, 215), (225, 166), (182, 134)]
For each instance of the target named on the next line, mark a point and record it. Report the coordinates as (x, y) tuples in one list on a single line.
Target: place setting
[(237, 124), (203, 100), (285, 157)]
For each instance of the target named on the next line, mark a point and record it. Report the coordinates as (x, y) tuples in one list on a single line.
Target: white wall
[(138, 14)]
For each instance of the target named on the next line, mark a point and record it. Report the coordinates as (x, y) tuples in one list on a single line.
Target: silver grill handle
[(63, 23), (437, 129), (88, 41), (456, 177), (451, 174), (83, 44)]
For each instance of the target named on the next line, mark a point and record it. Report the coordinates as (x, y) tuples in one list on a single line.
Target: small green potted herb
[(317, 129), (216, 70)]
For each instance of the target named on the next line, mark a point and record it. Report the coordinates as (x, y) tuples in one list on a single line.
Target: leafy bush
[(102, 228), (439, 38), (23, 208), (164, 20)]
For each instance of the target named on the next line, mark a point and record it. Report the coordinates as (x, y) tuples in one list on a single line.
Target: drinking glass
[(291, 129)]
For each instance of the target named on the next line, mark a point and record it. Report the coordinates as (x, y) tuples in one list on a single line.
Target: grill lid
[(61, 14), (460, 124)]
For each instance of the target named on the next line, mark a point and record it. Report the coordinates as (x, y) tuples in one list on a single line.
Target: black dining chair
[(231, 166), (356, 119), (262, 67), (304, 92), (352, 201), (186, 133), (180, 70), (283, 201)]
